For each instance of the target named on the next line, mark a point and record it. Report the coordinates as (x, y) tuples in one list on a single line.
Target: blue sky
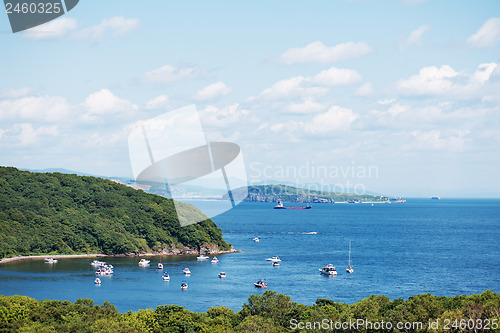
[(408, 88)]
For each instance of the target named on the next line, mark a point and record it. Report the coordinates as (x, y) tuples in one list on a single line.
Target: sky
[(393, 97)]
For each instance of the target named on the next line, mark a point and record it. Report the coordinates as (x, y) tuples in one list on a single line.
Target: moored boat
[(166, 277), (144, 262), (97, 281), (260, 284), (50, 260), (274, 259), (222, 275), (256, 239), (184, 286), (328, 270), (186, 271), (202, 257), (214, 260), (160, 265)]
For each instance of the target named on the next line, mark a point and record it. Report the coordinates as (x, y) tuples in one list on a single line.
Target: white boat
[(274, 259), (184, 286), (256, 239), (222, 275), (160, 265), (98, 263), (50, 260), (97, 281), (260, 284), (276, 264), (349, 268), (186, 271), (144, 262), (166, 277), (202, 257), (214, 260), (328, 270)]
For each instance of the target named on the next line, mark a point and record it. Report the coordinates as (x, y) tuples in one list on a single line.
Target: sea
[(444, 247)]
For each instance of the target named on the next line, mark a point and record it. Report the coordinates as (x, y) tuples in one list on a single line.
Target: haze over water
[(444, 247)]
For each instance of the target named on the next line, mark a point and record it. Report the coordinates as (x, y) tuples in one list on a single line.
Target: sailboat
[(349, 268)]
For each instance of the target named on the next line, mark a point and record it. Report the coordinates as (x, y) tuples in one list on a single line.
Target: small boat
[(214, 260), (328, 270), (97, 281), (222, 275), (274, 259), (202, 257), (276, 264), (260, 284), (160, 265), (349, 268), (184, 286), (256, 239), (50, 260), (436, 198), (98, 263), (186, 271), (144, 262), (166, 277)]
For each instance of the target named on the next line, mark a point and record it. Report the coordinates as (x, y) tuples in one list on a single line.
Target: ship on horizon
[(280, 206)]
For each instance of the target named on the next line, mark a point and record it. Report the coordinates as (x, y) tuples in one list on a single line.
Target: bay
[(444, 247)]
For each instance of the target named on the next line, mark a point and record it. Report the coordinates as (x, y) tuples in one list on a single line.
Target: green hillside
[(55, 213)]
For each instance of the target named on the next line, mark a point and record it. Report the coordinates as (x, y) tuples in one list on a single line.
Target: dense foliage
[(269, 312), (55, 213), (285, 193)]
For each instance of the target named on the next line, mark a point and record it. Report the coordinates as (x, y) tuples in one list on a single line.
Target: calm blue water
[(444, 247)]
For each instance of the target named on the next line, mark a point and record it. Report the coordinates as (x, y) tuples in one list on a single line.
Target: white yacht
[(328, 270), (222, 275), (160, 265), (166, 277), (186, 271), (214, 260), (50, 260), (97, 281), (184, 286), (256, 239), (202, 257), (144, 262), (274, 259)]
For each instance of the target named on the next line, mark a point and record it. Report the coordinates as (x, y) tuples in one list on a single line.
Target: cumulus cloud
[(429, 80), (305, 107), (168, 74), (35, 108), (415, 38), (213, 116), (15, 93), (28, 135), (336, 119), (445, 80), (55, 29), (310, 86), (105, 102), (318, 52), (487, 36), (211, 91), (117, 27), (451, 140), (159, 102)]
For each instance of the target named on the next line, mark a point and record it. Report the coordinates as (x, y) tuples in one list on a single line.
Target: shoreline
[(96, 255)]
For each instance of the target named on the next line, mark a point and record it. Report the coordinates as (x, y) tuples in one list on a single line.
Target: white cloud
[(105, 102), (429, 80), (168, 74), (55, 29), (35, 108), (336, 119), (159, 102), (452, 140), (28, 135), (365, 90), (305, 107), (415, 38), (386, 101), (320, 53), (117, 26), (222, 117), (336, 77), (487, 36), (308, 87), (15, 93), (211, 91)]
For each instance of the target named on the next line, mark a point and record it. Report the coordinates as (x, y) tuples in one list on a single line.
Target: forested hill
[(55, 213)]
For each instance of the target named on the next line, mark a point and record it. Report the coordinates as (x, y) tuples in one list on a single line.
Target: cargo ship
[(280, 206)]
